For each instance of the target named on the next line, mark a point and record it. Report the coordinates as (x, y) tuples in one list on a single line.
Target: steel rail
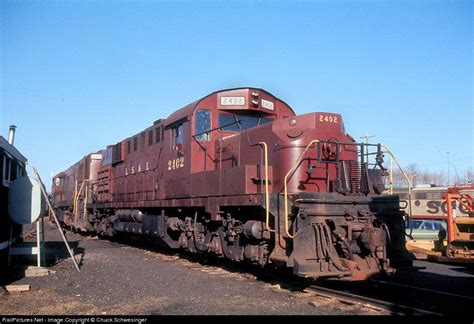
[(393, 308), (422, 289)]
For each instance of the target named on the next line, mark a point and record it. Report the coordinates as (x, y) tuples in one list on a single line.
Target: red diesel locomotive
[(238, 174)]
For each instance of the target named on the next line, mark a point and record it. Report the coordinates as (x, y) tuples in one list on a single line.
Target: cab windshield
[(229, 122)]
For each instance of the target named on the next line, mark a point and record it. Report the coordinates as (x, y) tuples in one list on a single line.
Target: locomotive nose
[(307, 145), (320, 124)]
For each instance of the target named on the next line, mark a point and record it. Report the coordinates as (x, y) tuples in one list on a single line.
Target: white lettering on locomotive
[(328, 119), (176, 163)]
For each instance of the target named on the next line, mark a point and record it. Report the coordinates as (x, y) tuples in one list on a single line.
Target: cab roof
[(188, 110)]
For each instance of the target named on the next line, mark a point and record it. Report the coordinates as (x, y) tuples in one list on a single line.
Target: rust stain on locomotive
[(198, 180)]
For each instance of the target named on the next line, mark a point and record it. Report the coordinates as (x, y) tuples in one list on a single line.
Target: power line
[(367, 136), (441, 162)]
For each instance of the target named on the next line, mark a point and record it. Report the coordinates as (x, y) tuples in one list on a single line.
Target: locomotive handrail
[(86, 190), (75, 194), (267, 191), (404, 174), (292, 169), (76, 198), (267, 194), (76, 201)]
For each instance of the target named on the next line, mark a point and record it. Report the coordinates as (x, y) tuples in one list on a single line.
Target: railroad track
[(367, 302), (442, 301), (399, 298), (366, 295), (380, 296)]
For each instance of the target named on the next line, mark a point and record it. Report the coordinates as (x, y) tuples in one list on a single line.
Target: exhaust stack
[(11, 134)]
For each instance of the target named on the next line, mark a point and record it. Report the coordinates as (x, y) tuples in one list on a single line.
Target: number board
[(232, 101), (268, 104)]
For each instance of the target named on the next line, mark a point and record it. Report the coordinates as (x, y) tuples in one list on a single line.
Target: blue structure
[(12, 166)]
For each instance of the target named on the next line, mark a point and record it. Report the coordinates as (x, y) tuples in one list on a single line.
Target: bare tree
[(412, 171)]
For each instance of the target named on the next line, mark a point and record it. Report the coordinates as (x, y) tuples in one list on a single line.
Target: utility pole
[(449, 178), (457, 181), (367, 136)]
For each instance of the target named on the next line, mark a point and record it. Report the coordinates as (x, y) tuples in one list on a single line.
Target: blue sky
[(77, 76)]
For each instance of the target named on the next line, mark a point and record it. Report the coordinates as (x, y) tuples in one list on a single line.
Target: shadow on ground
[(55, 253)]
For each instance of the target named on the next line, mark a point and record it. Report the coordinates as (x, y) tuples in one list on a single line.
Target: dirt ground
[(117, 279)]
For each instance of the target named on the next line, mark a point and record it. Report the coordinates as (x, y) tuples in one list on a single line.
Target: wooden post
[(56, 219)]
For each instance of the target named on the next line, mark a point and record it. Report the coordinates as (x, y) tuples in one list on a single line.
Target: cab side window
[(157, 134), (2, 158), (178, 139), (14, 170), (7, 168), (203, 124)]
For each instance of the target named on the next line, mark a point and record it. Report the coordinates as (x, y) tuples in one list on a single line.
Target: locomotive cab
[(219, 121)]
